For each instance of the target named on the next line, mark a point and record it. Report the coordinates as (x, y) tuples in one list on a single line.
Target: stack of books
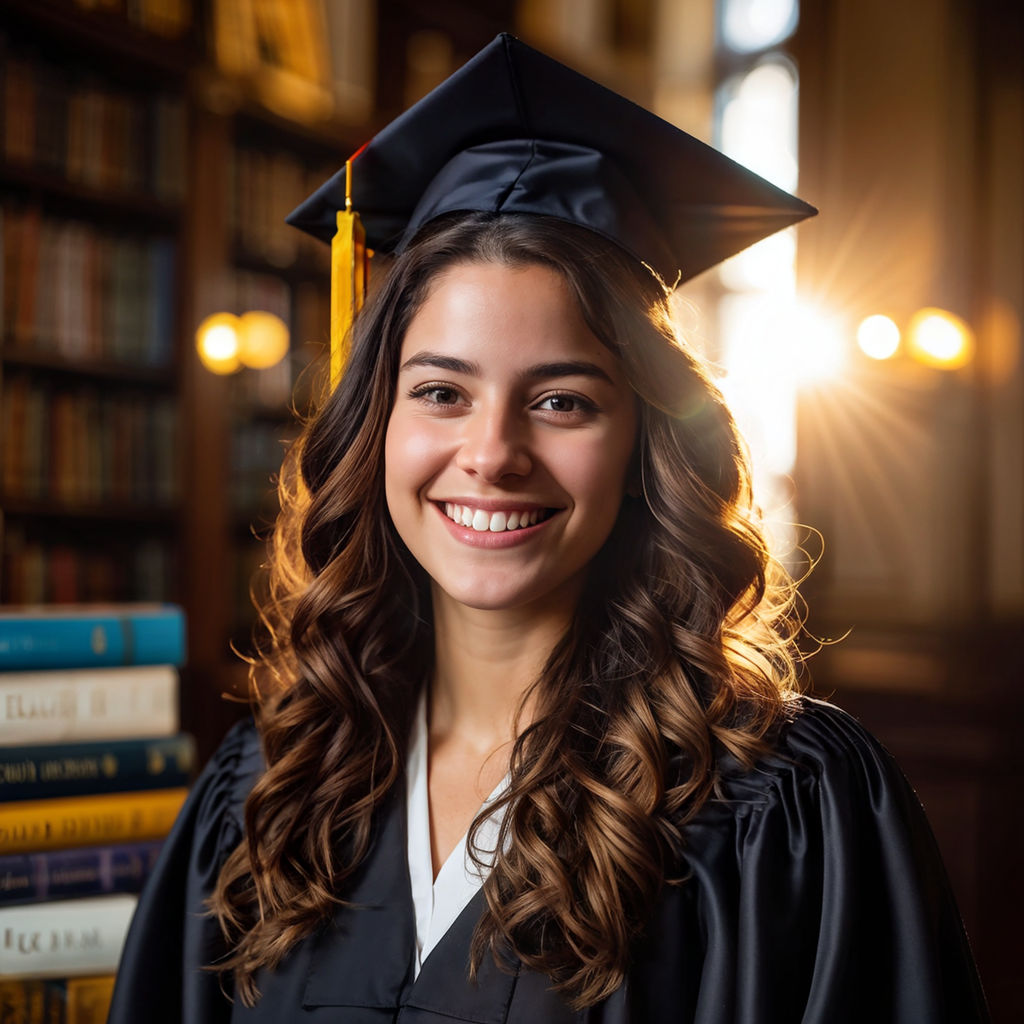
[(93, 771)]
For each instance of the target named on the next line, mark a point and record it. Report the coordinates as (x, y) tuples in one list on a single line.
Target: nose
[(494, 444)]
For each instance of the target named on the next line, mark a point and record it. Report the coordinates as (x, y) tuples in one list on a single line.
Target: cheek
[(412, 455), (596, 474)]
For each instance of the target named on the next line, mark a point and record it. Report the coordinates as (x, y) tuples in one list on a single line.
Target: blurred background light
[(749, 25), (217, 343), (878, 337), (758, 125), (263, 339), (939, 338)]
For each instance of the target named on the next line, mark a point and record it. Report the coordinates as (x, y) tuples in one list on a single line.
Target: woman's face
[(509, 442)]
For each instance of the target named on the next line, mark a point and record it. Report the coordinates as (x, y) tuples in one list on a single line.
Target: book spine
[(76, 821), (56, 1000), (153, 636), (66, 874), (31, 1001), (80, 769), (88, 704), (64, 939)]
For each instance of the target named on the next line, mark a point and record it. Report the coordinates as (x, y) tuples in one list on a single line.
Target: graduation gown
[(815, 894)]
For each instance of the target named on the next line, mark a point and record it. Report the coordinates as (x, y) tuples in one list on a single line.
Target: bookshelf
[(92, 170), (141, 190), (251, 260)]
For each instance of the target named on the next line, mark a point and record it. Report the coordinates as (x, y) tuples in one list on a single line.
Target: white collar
[(437, 903)]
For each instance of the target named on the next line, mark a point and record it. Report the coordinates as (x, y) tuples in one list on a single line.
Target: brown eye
[(435, 394), (561, 403)]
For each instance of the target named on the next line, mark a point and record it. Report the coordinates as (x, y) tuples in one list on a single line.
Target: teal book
[(91, 637)]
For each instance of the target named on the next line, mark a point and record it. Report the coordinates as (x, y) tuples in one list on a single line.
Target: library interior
[(164, 332)]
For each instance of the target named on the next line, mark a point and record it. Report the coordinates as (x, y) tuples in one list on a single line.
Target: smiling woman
[(532, 420), (529, 746)]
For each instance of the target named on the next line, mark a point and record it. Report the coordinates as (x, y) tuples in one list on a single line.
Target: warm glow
[(217, 343), (819, 350), (770, 265), (940, 338), (262, 339), (771, 348), (878, 337)]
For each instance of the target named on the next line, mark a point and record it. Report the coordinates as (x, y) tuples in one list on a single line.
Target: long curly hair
[(680, 652)]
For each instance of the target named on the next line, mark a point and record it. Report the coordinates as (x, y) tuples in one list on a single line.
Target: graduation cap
[(513, 131)]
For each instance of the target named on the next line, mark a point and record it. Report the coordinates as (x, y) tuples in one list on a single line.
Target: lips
[(494, 521)]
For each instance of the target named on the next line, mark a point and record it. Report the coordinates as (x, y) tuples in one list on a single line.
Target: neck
[(485, 661)]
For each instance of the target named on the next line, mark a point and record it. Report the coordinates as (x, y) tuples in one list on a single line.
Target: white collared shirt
[(438, 902)]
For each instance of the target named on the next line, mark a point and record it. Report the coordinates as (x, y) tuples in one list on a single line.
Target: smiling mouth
[(503, 521)]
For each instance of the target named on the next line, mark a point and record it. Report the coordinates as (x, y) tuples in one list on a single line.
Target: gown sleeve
[(160, 979), (816, 895)]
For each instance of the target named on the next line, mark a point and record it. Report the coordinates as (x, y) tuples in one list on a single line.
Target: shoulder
[(809, 882), (816, 744), (825, 780)]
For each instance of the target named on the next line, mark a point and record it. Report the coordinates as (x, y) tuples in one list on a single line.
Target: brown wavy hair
[(679, 652)]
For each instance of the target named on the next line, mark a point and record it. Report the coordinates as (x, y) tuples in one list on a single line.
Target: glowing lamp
[(939, 338), (217, 343), (262, 339), (878, 337)]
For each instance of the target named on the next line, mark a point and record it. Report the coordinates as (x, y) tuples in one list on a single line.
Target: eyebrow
[(540, 371)]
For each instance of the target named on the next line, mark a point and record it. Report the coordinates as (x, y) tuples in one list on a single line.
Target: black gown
[(816, 895)]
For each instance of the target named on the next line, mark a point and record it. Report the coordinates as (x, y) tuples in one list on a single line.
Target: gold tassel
[(349, 271)]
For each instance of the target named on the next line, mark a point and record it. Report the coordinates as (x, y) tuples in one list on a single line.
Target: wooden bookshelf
[(92, 171), (122, 137)]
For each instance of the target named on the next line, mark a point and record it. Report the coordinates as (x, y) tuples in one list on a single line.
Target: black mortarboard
[(514, 131)]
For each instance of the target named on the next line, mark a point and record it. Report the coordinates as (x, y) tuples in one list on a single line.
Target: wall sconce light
[(878, 337), (217, 343), (934, 337), (256, 339), (939, 338)]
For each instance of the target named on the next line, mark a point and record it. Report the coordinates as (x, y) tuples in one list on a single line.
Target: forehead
[(481, 310)]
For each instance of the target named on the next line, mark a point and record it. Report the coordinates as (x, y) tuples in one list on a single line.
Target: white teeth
[(490, 522)]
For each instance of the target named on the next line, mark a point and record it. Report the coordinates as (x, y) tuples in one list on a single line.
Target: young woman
[(528, 743)]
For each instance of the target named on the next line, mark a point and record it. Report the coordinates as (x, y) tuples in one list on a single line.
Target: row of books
[(75, 290), (93, 771), (79, 444), (270, 387), (68, 123), (257, 448), (168, 18), (70, 570), (266, 187)]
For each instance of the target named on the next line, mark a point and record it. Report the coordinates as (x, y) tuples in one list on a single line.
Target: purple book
[(63, 874)]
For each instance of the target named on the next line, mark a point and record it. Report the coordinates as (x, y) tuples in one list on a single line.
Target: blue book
[(90, 637), (83, 769), (67, 874)]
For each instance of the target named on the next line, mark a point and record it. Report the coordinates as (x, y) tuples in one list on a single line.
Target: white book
[(63, 705), (65, 938)]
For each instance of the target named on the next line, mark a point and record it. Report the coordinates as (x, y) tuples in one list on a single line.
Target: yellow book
[(71, 1000), (88, 820), (88, 999)]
